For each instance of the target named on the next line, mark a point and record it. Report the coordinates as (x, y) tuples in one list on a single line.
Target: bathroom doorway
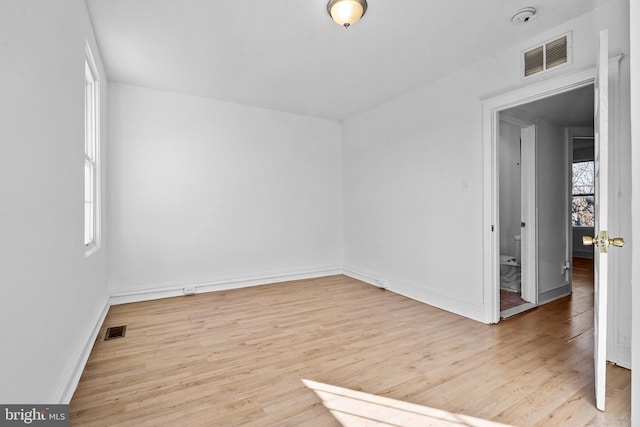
[(535, 155)]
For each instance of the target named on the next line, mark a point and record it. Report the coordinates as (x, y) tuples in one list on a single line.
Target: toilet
[(510, 274)]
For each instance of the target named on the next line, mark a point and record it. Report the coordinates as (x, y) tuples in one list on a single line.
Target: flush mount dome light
[(346, 12)]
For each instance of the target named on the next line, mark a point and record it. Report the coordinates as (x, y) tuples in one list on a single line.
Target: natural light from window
[(91, 151), (355, 409), (583, 195)]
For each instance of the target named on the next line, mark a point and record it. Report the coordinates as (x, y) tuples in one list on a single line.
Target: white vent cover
[(546, 56)]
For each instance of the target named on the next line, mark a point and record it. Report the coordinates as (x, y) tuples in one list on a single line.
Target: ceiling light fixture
[(346, 12)]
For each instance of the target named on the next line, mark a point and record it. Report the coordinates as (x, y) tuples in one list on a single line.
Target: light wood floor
[(240, 357)]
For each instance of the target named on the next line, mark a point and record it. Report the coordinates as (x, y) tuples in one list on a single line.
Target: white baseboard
[(474, 311), (363, 277), (75, 367), (554, 294), (147, 293)]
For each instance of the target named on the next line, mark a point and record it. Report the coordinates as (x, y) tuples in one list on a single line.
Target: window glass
[(91, 150), (583, 190)]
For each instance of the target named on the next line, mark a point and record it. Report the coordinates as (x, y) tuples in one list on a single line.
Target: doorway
[(491, 108), (607, 176), (535, 233)]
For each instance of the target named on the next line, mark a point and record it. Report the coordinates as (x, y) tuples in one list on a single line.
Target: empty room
[(317, 212)]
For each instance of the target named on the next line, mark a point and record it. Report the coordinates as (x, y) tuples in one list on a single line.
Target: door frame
[(491, 107), (528, 214)]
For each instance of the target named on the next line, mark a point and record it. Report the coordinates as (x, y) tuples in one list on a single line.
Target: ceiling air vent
[(547, 56), (534, 61)]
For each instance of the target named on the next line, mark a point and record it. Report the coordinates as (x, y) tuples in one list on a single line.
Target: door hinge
[(493, 227)]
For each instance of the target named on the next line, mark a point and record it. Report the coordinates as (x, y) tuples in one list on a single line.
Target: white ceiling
[(288, 55), (569, 109)]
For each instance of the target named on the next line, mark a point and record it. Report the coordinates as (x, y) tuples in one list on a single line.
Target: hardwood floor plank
[(239, 357)]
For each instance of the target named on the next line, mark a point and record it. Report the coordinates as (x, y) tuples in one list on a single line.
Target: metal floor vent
[(115, 332)]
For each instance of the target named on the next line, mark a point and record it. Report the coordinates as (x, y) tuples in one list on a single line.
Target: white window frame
[(582, 194), (92, 193)]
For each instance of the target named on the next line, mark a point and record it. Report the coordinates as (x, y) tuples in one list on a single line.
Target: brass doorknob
[(617, 241), (602, 241)]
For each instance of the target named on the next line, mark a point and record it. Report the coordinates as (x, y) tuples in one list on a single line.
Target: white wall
[(52, 296), (408, 218), (206, 192), (579, 249), (552, 187), (620, 218)]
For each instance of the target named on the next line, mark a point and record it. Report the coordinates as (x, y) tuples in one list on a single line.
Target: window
[(583, 200), (91, 155)]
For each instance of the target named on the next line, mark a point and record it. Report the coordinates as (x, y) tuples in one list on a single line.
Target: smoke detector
[(524, 15)]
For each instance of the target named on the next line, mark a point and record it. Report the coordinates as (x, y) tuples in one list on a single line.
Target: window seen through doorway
[(583, 190)]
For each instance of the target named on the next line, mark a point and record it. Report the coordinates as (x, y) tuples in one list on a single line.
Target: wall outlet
[(189, 290)]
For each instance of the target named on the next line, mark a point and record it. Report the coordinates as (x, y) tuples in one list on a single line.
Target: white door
[(529, 263), (601, 130), (602, 240)]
